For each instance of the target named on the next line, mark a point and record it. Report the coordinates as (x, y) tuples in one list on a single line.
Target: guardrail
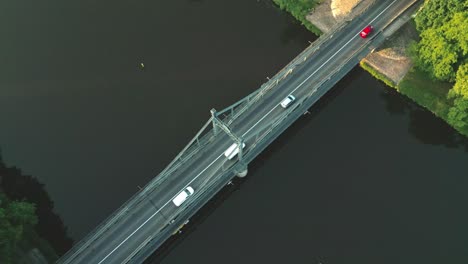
[(189, 151), (192, 149), (227, 174), (289, 68)]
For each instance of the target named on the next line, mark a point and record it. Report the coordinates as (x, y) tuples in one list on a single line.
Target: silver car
[(287, 101), (182, 196)]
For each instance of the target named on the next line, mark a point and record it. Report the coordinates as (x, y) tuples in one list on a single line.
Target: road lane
[(149, 217)]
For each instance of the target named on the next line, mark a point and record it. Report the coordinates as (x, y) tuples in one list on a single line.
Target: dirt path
[(390, 59), (331, 12)]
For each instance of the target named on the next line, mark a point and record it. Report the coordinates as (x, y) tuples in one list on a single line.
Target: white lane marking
[(136, 230), (242, 136), (321, 66), (259, 121), (382, 11), (331, 57)]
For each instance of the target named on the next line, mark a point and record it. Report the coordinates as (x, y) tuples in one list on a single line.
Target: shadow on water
[(197, 219), (50, 227), (254, 166), (422, 124), (293, 32)]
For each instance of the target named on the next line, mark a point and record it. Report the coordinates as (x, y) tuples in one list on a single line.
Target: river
[(367, 177)]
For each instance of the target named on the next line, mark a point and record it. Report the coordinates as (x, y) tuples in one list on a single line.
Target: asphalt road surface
[(148, 217)]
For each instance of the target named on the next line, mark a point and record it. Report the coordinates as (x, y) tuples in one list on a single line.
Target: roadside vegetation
[(440, 78), (377, 74), (29, 229), (15, 218), (299, 9), (17, 235)]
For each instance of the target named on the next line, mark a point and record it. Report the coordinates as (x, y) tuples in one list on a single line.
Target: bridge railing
[(270, 131), (202, 138), (284, 72), (196, 144), (264, 135)]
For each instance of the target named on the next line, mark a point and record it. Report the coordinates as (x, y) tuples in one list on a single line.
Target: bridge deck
[(149, 221)]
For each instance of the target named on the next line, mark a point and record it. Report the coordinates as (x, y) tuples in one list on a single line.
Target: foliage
[(433, 95), (15, 217), (461, 85), (426, 92), (442, 47), (436, 12), (442, 53), (458, 114), (24, 187), (376, 73), (299, 9)]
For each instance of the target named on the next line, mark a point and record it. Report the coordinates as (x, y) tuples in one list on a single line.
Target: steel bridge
[(148, 219)]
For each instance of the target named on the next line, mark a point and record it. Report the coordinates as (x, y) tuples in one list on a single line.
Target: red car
[(366, 31)]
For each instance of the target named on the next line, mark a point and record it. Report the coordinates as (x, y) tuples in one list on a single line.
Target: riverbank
[(391, 63), (330, 13), (20, 243), (299, 10), (32, 232)]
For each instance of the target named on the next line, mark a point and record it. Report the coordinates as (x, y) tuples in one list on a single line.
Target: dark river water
[(367, 177)]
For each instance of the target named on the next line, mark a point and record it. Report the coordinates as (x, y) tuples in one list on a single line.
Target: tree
[(443, 48), (461, 85), (436, 55), (456, 31), (458, 114), (437, 12), (14, 218), (22, 213)]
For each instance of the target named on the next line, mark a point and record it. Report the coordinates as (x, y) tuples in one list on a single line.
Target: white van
[(181, 197), (232, 151)]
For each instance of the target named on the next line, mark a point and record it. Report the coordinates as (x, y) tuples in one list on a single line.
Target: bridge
[(149, 218)]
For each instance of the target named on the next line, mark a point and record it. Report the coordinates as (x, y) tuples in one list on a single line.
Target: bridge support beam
[(218, 124), (214, 118), (242, 170)]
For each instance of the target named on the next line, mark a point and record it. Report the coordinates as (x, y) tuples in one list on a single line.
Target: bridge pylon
[(219, 124), (241, 169)]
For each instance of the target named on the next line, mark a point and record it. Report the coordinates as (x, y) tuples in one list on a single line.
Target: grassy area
[(428, 93), (299, 9), (416, 85), (377, 74)]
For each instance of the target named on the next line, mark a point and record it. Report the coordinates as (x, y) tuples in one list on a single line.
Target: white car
[(232, 151), (287, 101), (182, 196)]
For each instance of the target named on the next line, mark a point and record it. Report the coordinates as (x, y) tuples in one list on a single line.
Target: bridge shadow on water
[(256, 164)]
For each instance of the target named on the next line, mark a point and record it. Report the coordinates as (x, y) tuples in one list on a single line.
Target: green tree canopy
[(461, 85), (15, 216), (458, 114), (436, 12), (443, 48)]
